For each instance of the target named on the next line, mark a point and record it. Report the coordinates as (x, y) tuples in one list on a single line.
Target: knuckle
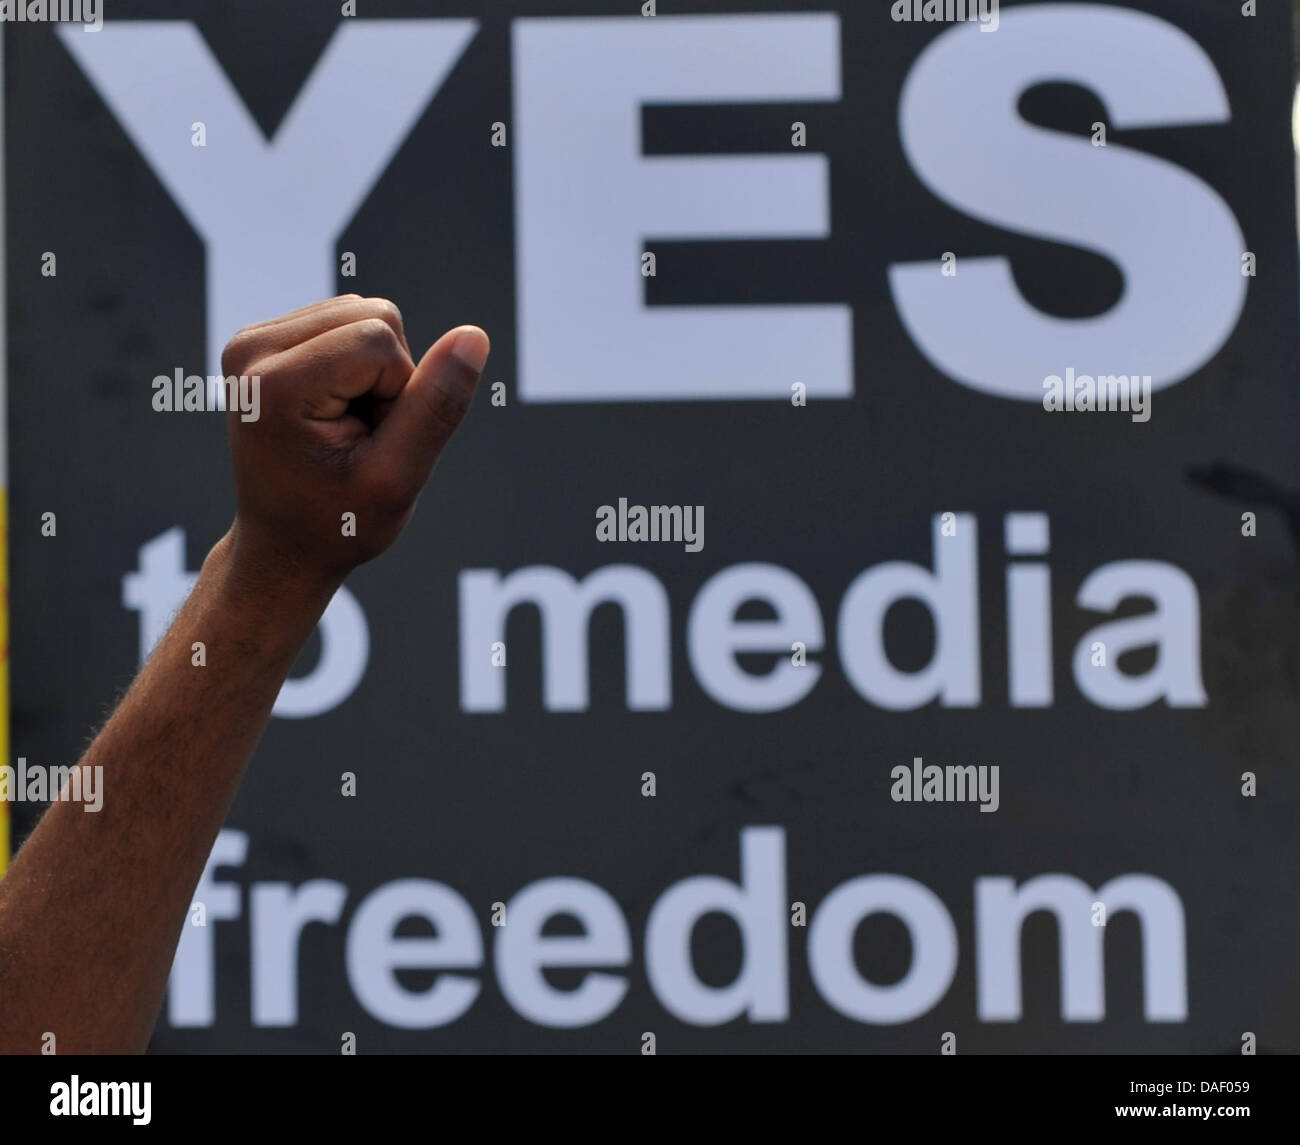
[(388, 311), (237, 350), (378, 334)]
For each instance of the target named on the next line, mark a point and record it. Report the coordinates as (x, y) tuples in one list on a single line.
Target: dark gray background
[(489, 803)]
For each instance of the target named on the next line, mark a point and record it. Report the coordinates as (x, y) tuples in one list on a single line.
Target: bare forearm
[(92, 907), (350, 428)]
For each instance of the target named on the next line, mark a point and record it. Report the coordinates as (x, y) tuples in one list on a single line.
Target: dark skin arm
[(92, 908)]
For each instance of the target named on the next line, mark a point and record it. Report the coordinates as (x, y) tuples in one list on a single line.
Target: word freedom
[(1107, 393), (286, 922), (37, 784), (935, 784), (195, 394), (947, 12), (657, 523)]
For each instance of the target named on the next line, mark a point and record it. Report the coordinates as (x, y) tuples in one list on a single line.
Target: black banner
[(860, 611)]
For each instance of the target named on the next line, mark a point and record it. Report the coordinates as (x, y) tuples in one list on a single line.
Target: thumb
[(432, 404)]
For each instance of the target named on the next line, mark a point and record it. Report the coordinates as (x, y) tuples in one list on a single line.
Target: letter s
[(1175, 240)]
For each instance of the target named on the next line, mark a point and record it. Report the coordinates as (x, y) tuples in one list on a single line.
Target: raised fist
[(347, 424)]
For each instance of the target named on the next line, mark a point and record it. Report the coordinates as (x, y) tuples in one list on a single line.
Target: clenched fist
[(348, 424)]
